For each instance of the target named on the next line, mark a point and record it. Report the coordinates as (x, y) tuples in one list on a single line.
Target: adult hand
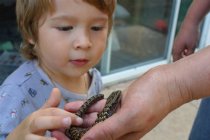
[(48, 117), (144, 104), (186, 41)]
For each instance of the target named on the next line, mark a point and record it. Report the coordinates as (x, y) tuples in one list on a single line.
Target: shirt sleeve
[(11, 104)]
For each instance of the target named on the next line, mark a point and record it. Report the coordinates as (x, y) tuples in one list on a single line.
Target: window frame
[(135, 71)]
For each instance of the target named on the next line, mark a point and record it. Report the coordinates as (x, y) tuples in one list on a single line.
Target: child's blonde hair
[(29, 13)]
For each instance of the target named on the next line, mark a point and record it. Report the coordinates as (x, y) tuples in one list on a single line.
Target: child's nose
[(82, 41)]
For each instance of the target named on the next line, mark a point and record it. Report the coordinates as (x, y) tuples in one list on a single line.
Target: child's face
[(72, 39)]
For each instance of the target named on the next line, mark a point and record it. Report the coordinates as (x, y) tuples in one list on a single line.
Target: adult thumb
[(54, 99)]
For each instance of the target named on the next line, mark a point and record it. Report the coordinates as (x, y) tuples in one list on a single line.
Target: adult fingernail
[(67, 121)]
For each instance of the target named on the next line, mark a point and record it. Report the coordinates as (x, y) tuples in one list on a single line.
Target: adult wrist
[(173, 86)]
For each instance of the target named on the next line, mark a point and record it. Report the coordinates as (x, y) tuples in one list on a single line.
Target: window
[(142, 37)]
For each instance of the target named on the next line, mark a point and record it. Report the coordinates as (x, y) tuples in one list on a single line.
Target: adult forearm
[(197, 10), (189, 78)]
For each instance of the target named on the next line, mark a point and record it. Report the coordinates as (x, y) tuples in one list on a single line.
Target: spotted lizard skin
[(112, 103)]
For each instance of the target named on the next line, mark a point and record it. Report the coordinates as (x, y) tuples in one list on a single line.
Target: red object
[(161, 25)]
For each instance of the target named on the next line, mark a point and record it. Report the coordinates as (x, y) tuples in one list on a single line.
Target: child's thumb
[(54, 99)]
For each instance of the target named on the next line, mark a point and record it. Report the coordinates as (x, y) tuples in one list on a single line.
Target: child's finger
[(52, 112), (43, 123), (54, 99), (37, 137)]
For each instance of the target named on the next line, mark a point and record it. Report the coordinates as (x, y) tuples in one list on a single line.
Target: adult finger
[(107, 130), (89, 119), (190, 51), (177, 53), (74, 106), (54, 99)]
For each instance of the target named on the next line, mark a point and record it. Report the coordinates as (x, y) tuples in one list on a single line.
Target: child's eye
[(97, 28), (65, 28)]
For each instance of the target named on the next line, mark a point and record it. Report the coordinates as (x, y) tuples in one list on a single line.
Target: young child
[(63, 40)]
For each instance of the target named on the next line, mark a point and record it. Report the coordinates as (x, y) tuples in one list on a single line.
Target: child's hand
[(49, 117), (89, 118)]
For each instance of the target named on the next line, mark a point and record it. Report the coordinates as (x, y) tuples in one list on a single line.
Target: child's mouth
[(79, 62)]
